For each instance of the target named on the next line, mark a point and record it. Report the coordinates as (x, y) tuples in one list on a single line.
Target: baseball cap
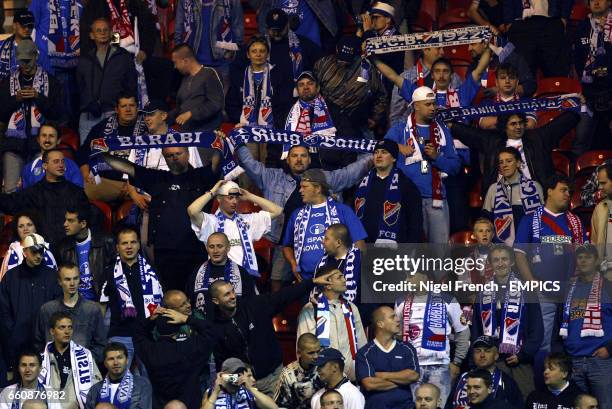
[(155, 105), (25, 18), (348, 48), (328, 355), (26, 50), (232, 365), (276, 19), (423, 94), (383, 9), (389, 146), (315, 176), (307, 74), (35, 241), (484, 341), (229, 188)]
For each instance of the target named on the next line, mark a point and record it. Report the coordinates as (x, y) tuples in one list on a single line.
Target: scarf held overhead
[(64, 38)]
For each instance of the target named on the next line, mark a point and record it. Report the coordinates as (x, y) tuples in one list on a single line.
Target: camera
[(230, 378)]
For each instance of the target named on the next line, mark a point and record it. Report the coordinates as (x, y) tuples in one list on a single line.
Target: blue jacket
[(215, 20), (447, 161), (513, 9), (277, 184), (33, 172)]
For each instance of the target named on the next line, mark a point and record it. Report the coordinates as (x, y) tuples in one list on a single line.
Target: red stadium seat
[(431, 8), (250, 25), (423, 23), (562, 163), (70, 137), (475, 199), (579, 11), (462, 237), (587, 162), (458, 54), (106, 212), (454, 18), (461, 70), (66, 149), (556, 86)]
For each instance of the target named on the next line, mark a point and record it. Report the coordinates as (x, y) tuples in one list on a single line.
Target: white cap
[(423, 94), (228, 187), (34, 240), (383, 8)]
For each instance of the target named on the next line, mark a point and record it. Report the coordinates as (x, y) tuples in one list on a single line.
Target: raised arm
[(265, 204), (119, 164), (195, 208), (483, 63), (389, 73)]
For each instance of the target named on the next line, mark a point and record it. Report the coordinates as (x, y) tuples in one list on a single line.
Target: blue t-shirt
[(371, 359), (33, 172), (86, 286), (575, 345), (552, 260), (312, 252)]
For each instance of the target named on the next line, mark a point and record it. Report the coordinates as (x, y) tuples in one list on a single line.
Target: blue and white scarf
[(249, 260), (16, 127), (592, 321), (7, 57), (123, 396), (252, 114), (86, 285), (231, 274), (433, 339), (299, 120), (460, 397), (192, 10), (596, 59), (14, 257), (351, 268), (511, 314), (323, 323), (225, 35), (301, 224), (151, 288), (20, 395), (82, 364), (64, 38), (388, 226), (295, 53), (503, 219), (242, 399)]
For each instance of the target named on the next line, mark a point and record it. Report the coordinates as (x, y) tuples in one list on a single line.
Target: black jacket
[(23, 290), (136, 8), (493, 403), (249, 335), (103, 85), (537, 143), (174, 367), (50, 106), (544, 399), (101, 254), (600, 85), (50, 200)]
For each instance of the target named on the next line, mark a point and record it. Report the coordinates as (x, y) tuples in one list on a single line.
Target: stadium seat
[(107, 213), (454, 18), (423, 23), (562, 163), (475, 200), (70, 137), (250, 25), (124, 210), (461, 70), (226, 127), (462, 237), (587, 162), (579, 11), (458, 54), (431, 8), (557, 86)]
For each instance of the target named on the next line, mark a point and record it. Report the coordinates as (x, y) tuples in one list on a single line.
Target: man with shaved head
[(427, 396), (386, 386), (299, 380)]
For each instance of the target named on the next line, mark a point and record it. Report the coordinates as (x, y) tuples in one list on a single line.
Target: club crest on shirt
[(317, 229), (391, 212)]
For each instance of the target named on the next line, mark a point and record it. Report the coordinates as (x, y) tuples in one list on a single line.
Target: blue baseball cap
[(328, 355)]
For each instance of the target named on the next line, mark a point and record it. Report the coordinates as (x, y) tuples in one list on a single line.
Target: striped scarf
[(249, 260), (323, 323), (7, 57), (592, 322), (120, 22), (123, 396), (597, 47), (257, 98), (64, 38), (301, 224), (203, 280), (225, 36), (351, 268), (433, 338), (242, 399), (16, 127), (151, 288)]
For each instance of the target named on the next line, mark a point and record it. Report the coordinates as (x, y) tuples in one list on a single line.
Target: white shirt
[(258, 224), (518, 144), (453, 321), (351, 395)]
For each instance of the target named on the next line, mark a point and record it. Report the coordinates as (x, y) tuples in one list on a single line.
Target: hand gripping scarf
[(225, 36), (592, 322), (203, 280), (309, 118), (82, 364), (301, 224), (120, 23), (597, 48), (350, 267), (64, 39), (433, 340), (151, 288), (123, 396), (257, 99), (438, 139), (323, 323), (249, 260), (503, 219), (16, 127), (388, 226), (512, 312)]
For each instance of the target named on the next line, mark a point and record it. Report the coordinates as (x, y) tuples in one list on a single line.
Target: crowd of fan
[(176, 309)]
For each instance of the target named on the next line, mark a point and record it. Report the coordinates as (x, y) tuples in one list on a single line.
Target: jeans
[(436, 222), (592, 375), (12, 164), (438, 375), (549, 311)]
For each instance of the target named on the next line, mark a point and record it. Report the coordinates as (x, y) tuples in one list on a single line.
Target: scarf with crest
[(64, 37), (301, 224), (151, 288), (596, 59), (257, 99), (123, 396), (120, 23), (28, 111)]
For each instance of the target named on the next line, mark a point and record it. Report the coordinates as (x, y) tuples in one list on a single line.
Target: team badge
[(391, 212)]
